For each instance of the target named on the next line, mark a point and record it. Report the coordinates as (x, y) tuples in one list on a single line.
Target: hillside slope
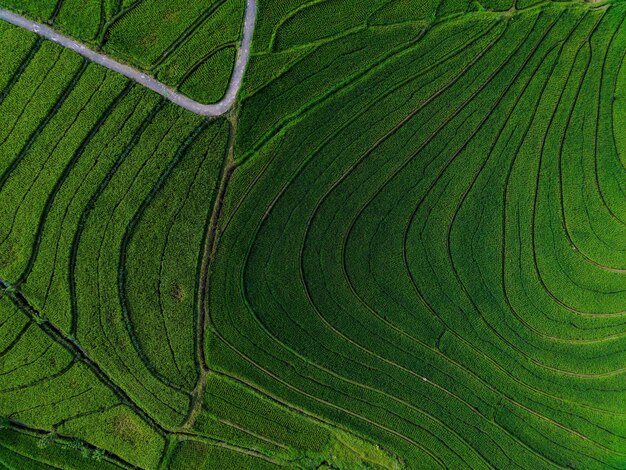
[(404, 247)]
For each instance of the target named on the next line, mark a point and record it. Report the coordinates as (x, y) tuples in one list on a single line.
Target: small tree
[(98, 455), (73, 444), (46, 441), (85, 452), (4, 423)]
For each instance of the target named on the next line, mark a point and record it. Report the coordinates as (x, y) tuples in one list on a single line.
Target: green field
[(186, 45), (403, 247)]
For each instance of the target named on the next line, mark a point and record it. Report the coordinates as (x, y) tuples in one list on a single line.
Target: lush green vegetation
[(425, 241), (403, 248), (189, 45), (23, 449)]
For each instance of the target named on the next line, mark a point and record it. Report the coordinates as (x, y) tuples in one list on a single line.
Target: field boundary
[(216, 109)]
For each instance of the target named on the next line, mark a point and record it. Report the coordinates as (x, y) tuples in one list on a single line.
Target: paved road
[(216, 109)]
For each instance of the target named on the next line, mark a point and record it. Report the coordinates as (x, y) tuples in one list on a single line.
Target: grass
[(402, 248), (180, 43), (416, 256), (21, 449)]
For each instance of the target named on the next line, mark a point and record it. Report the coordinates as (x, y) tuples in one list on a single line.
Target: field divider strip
[(75, 348)]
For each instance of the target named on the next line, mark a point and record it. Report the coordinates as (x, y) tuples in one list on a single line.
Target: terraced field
[(404, 246), (186, 45)]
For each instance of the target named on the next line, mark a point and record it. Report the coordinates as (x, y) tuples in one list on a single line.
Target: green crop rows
[(404, 247), (186, 45)]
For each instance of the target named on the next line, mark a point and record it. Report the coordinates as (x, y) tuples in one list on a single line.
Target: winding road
[(215, 109)]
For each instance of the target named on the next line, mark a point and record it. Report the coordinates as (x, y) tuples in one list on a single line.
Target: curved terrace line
[(215, 109)]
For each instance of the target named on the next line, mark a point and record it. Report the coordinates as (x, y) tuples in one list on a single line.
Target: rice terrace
[(312, 234)]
